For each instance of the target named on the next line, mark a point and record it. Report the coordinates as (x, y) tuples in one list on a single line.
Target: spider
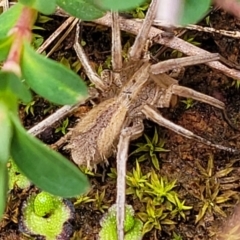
[(134, 92)]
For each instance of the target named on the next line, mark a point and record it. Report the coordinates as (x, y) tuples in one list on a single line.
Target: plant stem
[(20, 32)]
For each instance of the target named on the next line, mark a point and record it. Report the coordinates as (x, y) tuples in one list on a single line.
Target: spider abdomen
[(94, 138)]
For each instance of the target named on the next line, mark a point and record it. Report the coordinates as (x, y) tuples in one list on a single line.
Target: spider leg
[(127, 134), (116, 50), (168, 88), (91, 73), (190, 93), (137, 48), (162, 67), (155, 116)]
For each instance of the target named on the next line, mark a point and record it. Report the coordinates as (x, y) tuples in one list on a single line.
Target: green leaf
[(50, 79), (194, 10), (9, 18), (44, 167), (168, 222), (6, 133), (5, 44), (143, 157), (147, 227), (155, 161), (3, 187), (202, 212), (43, 6), (83, 9), (11, 84), (155, 137), (143, 148), (148, 140), (118, 4), (160, 149)]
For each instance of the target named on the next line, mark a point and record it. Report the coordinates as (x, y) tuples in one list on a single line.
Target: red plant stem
[(20, 32)]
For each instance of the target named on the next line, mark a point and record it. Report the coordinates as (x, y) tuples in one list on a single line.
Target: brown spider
[(134, 93)]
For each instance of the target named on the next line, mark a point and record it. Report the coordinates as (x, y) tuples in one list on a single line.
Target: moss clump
[(132, 226), (47, 216), (16, 178), (45, 203)]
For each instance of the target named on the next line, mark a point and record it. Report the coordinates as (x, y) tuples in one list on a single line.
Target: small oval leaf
[(6, 133), (43, 6), (3, 187), (5, 44), (194, 10), (9, 82), (117, 5), (44, 167), (50, 79), (9, 18), (83, 9)]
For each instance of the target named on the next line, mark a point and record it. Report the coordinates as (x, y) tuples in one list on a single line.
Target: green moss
[(160, 202), (129, 218), (44, 204), (52, 213), (136, 231), (132, 226), (16, 178)]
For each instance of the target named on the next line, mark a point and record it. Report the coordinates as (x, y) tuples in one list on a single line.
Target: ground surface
[(203, 174)]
